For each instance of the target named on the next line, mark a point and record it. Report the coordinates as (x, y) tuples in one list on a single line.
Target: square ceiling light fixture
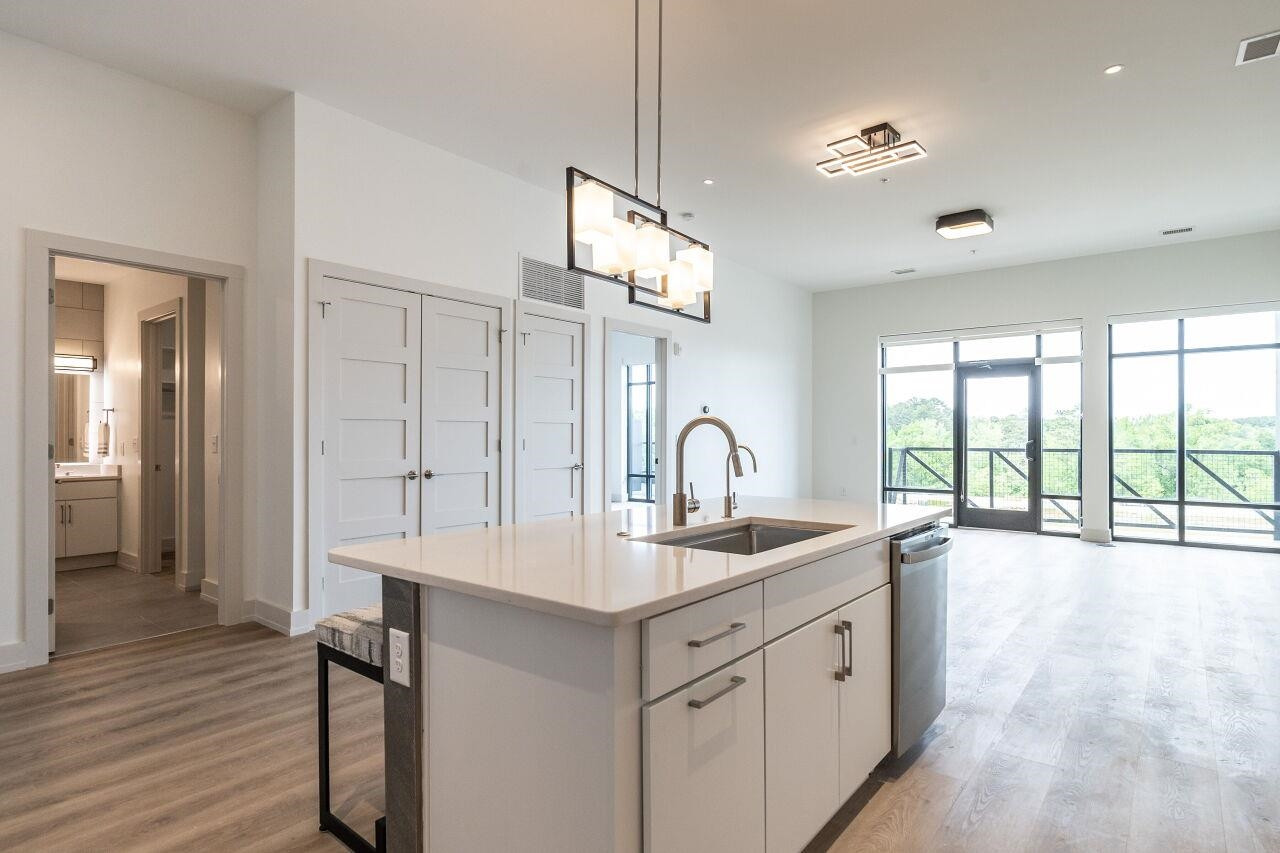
[(876, 148), (969, 223)]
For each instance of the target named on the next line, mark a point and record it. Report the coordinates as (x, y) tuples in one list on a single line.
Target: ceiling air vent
[(550, 283), (1258, 48), (904, 271), (1186, 229)]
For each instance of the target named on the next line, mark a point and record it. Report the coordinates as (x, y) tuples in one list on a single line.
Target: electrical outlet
[(398, 659)]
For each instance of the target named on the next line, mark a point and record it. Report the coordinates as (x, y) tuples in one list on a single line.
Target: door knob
[(412, 475), (577, 466), (427, 473)]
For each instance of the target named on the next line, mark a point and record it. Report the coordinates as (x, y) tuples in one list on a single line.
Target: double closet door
[(411, 403)]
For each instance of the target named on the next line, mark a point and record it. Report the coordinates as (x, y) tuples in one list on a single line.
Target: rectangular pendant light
[(703, 263), (969, 223), (592, 213)]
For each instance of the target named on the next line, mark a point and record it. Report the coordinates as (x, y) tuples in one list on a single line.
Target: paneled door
[(372, 411), (461, 415), (550, 367)]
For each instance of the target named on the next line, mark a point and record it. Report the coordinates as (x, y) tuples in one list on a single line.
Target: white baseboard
[(125, 560), (1093, 534), (13, 656), (209, 590), (291, 623)]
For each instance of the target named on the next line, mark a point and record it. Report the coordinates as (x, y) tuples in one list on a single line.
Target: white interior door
[(372, 431), (461, 415), (550, 367)]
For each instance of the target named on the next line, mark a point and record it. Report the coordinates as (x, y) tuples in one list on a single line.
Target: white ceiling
[(90, 272), (1008, 96)]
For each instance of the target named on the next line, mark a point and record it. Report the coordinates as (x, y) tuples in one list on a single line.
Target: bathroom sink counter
[(581, 568)]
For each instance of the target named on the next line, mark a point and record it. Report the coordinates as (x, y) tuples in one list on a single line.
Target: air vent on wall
[(1186, 229), (550, 283), (1258, 48)]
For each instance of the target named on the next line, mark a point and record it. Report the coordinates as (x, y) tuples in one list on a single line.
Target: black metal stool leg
[(328, 821), (322, 715)]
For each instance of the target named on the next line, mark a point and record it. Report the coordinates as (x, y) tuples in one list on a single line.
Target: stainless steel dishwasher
[(919, 632)]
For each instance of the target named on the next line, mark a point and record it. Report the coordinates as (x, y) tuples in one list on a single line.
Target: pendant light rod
[(635, 118), (660, 103)]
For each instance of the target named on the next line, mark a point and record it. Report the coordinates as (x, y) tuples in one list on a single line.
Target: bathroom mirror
[(71, 439)]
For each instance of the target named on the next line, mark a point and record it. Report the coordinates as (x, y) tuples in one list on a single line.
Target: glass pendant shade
[(592, 213), (680, 283), (616, 255), (653, 251), (703, 262)]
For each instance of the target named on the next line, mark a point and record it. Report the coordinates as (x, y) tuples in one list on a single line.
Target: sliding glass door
[(1195, 439)]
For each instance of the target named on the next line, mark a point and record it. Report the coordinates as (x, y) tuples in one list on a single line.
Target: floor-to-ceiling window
[(1195, 439), (641, 431), (988, 423)]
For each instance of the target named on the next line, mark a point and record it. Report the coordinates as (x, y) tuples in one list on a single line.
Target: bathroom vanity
[(613, 682), (86, 515)]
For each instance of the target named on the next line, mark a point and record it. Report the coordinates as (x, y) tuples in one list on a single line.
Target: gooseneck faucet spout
[(730, 496), (680, 501)]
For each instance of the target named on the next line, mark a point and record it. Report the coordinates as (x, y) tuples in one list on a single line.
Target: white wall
[(372, 198), (847, 324), (95, 153)]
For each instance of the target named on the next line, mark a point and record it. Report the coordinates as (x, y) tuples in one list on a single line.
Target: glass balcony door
[(998, 412)]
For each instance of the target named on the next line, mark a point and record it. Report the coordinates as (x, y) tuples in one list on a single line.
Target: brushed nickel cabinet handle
[(847, 627), (734, 683), (734, 627), (843, 669)]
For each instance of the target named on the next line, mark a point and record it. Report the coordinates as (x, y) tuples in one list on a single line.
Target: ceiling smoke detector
[(969, 223), (1258, 48)]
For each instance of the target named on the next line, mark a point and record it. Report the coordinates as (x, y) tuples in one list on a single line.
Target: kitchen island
[(581, 685)]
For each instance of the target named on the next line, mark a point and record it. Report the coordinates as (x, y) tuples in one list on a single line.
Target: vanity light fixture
[(620, 237), (876, 148), (74, 363), (969, 223)]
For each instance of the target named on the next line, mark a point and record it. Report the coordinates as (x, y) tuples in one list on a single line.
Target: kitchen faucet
[(680, 501), (731, 498)]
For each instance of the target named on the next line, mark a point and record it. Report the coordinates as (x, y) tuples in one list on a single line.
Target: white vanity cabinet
[(86, 518)]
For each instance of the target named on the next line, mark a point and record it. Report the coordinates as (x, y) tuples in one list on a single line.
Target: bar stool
[(352, 639)]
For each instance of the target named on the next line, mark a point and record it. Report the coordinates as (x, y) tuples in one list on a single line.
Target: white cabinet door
[(866, 732), (60, 525), (372, 437), (704, 766), (802, 718), (550, 366), (461, 415), (91, 527)]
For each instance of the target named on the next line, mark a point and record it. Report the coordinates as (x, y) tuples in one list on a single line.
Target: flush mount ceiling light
[(876, 148), (620, 237), (74, 363), (969, 223)]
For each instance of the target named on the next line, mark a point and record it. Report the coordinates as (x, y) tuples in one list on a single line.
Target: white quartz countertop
[(582, 569)]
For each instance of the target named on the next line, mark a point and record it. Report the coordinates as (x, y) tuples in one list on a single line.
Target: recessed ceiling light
[(969, 223), (708, 181), (1113, 69)]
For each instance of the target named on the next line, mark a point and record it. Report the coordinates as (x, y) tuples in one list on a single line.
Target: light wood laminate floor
[(1122, 698)]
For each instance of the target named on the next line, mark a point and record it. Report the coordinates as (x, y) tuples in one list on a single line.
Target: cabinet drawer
[(796, 596), (74, 491), (704, 766), (684, 644)]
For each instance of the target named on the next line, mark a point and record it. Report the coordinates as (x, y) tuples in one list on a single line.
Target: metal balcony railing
[(1239, 484)]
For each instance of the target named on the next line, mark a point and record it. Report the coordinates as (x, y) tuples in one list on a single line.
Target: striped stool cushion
[(356, 632)]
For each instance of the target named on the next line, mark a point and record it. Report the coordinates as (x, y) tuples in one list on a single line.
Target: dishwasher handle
[(928, 554)]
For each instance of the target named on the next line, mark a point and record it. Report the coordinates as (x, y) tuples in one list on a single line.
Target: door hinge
[(322, 447), (499, 447), (501, 332), (51, 607), (324, 307), (51, 296), (50, 450)]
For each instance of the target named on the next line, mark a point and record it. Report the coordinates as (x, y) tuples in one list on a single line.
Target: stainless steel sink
[(750, 537)]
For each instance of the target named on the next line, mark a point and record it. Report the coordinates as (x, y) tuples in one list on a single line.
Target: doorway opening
[(635, 405), (137, 413)]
